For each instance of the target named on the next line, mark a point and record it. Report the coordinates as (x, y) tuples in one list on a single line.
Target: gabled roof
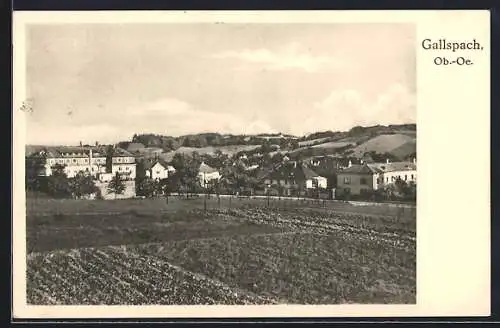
[(290, 170), (76, 152), (204, 168), (308, 173), (395, 166), (359, 169), (149, 164), (373, 168)]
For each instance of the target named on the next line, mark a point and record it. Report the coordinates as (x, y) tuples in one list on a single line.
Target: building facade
[(292, 177), (159, 170), (207, 175), (367, 177), (90, 160)]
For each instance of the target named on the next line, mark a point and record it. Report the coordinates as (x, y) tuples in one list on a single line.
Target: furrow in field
[(300, 268), (114, 277), (157, 263)]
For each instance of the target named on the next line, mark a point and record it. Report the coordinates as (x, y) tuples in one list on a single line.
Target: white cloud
[(175, 117), (345, 108), (292, 56), (88, 134)]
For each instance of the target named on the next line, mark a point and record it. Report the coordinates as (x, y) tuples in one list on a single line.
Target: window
[(347, 180), (363, 181), (120, 168), (406, 177), (387, 179), (412, 176), (157, 172)]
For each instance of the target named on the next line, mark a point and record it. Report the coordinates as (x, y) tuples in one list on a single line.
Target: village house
[(372, 176), (207, 174), (293, 177), (158, 169)]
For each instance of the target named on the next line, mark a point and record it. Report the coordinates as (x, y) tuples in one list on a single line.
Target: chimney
[(295, 164), (387, 161), (97, 143), (350, 163)]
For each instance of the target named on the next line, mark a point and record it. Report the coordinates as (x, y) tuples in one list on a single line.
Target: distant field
[(229, 150), (312, 142), (239, 252), (333, 144), (383, 143)]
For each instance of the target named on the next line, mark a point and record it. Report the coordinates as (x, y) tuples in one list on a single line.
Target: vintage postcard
[(251, 164)]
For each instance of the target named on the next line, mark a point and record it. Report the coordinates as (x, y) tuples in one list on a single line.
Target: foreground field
[(242, 255)]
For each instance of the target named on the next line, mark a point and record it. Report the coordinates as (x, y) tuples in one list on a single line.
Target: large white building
[(90, 160)]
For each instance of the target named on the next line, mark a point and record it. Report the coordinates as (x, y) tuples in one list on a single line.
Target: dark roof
[(290, 170), (75, 151), (395, 166), (359, 169), (308, 173), (149, 164), (204, 168), (373, 168)]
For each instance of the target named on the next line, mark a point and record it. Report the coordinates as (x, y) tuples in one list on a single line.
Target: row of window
[(364, 181), (127, 168), (86, 160), (123, 160), (76, 161), (286, 181)]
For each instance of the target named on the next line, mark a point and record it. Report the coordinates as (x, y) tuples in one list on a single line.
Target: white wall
[(128, 193), (125, 168), (204, 178), (407, 176)]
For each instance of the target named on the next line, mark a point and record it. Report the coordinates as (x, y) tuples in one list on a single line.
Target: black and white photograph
[(215, 163)]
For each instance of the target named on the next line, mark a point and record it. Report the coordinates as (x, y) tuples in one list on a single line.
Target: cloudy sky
[(106, 82)]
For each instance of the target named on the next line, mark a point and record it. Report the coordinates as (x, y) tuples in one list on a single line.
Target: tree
[(34, 164), (185, 177), (116, 185), (82, 185), (145, 186), (58, 183)]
